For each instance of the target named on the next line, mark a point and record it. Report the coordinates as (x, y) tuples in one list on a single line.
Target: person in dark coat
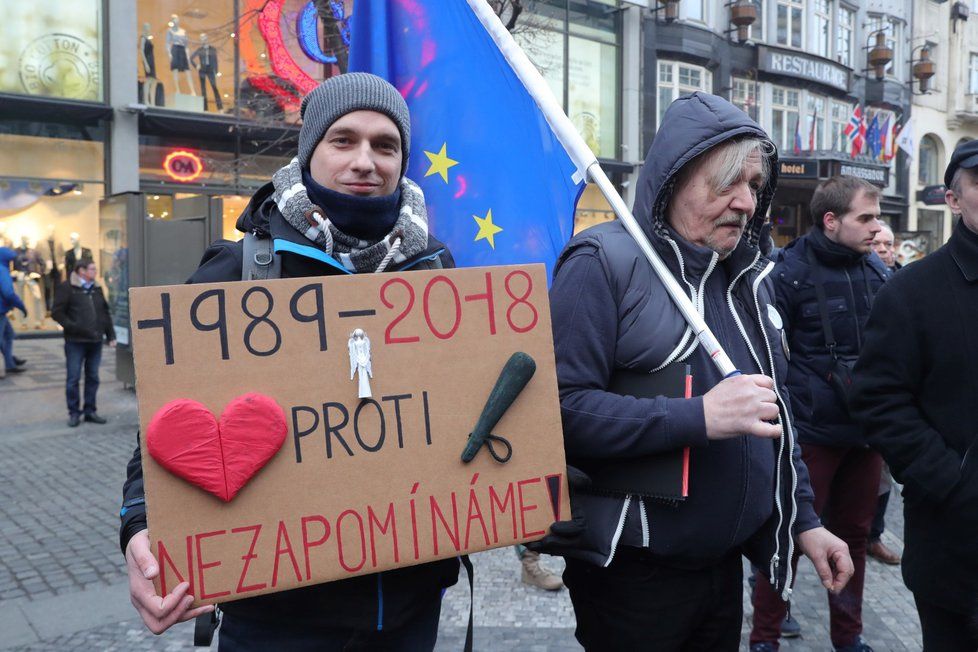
[(80, 307), (824, 337), (645, 575), (914, 392), (342, 206)]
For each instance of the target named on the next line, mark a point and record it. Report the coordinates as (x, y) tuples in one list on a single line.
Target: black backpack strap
[(823, 308), (471, 573), (204, 627), (258, 261)]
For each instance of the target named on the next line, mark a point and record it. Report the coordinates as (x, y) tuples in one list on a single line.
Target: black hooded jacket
[(368, 602), (611, 311)]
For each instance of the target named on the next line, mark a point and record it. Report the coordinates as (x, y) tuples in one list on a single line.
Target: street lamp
[(743, 14), (671, 8), (880, 56), (923, 69)]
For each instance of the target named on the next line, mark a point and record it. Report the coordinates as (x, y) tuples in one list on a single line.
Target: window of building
[(587, 81), (973, 74), (784, 116), (678, 79), (51, 182), (756, 30), (743, 94), (928, 167), (823, 21), (187, 55), (814, 137), (790, 19), (845, 20), (52, 49), (693, 10)]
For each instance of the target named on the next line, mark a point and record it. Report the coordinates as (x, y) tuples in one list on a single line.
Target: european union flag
[(873, 137), (500, 187)]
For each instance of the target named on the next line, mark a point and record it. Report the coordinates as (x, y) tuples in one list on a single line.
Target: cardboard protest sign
[(355, 485)]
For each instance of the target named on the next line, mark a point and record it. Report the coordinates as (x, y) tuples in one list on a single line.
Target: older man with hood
[(646, 574), (343, 205)]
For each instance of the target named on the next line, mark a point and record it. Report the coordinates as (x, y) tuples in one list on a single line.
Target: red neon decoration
[(269, 23), (184, 166)]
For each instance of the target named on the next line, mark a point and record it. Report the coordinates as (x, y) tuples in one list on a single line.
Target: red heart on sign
[(220, 458)]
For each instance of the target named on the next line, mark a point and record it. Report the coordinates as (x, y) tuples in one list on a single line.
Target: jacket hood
[(256, 216), (6, 255), (691, 126)]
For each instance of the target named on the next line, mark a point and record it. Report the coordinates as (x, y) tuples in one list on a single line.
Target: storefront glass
[(49, 203), (576, 49), (200, 56), (52, 49), (199, 167)]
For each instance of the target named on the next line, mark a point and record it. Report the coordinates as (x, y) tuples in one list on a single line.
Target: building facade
[(800, 71), (944, 116)]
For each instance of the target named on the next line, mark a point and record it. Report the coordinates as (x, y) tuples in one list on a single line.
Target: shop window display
[(49, 200), (280, 49), (52, 49)]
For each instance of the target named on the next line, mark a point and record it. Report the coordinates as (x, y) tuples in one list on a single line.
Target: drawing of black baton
[(512, 379)]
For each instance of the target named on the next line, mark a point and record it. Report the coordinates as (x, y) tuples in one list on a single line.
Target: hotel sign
[(804, 66), (797, 169)]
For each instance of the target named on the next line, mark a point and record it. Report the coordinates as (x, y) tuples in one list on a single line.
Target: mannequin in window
[(29, 269), (148, 55), (176, 49), (75, 251), (52, 274), (204, 59)]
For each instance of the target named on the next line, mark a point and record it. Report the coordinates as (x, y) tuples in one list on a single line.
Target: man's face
[(965, 201), (360, 154), (715, 217), (884, 246), (857, 227), (87, 273)]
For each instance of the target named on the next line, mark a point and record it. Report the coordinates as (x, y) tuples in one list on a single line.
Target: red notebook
[(663, 476)]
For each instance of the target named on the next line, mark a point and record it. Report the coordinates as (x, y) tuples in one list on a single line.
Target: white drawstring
[(390, 255)]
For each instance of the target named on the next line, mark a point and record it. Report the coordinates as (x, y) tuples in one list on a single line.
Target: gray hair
[(729, 158)]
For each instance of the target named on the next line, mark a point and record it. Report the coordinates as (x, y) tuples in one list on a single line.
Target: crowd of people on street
[(854, 380)]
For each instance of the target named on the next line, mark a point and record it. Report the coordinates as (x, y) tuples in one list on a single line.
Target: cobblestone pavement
[(62, 577)]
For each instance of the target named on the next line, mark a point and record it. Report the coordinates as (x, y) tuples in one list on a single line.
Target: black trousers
[(946, 631), (639, 603)]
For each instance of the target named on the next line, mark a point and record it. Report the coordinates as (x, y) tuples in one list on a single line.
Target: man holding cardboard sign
[(342, 206), (667, 575)]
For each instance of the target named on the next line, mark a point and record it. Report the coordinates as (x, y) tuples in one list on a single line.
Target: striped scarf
[(407, 239)]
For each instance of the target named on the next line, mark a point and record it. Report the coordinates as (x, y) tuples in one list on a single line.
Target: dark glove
[(566, 535)]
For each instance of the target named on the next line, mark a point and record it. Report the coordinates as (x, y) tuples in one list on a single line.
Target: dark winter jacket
[(8, 298), (611, 311), (851, 281), (380, 601), (914, 393), (82, 312)]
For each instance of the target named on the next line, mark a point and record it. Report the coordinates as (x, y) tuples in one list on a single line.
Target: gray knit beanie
[(354, 91)]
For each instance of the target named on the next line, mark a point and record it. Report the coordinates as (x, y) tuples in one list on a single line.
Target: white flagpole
[(588, 168)]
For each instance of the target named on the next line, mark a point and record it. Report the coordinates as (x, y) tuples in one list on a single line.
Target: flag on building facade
[(797, 145), (905, 139), (499, 185), (873, 136), (886, 142), (855, 131), (811, 130)]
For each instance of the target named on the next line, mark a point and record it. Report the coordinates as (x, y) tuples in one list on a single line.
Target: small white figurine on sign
[(360, 360)]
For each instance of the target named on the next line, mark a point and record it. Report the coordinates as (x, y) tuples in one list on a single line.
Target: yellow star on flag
[(487, 230), (439, 163)]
